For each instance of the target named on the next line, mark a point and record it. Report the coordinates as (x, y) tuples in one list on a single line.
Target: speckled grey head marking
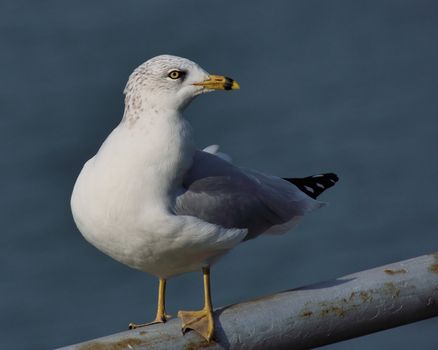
[(150, 87)]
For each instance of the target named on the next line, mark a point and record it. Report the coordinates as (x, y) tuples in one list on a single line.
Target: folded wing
[(220, 193)]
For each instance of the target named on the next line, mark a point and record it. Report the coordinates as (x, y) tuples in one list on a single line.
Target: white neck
[(152, 149)]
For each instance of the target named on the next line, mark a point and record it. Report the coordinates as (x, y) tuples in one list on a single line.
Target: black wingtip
[(314, 185)]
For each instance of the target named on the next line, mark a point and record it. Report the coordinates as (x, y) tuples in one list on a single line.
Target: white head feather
[(151, 84)]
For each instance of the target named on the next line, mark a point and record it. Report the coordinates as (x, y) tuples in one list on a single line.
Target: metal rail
[(307, 317)]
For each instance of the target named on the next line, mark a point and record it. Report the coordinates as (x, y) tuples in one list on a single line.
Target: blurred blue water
[(340, 86)]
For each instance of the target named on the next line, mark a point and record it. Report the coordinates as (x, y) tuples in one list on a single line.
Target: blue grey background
[(343, 86)]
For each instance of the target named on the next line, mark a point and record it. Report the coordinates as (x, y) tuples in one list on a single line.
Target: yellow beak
[(219, 82)]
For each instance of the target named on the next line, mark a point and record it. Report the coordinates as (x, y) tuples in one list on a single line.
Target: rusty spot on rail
[(306, 313), (333, 309), (365, 296), (394, 272), (391, 289), (434, 267), (119, 345)]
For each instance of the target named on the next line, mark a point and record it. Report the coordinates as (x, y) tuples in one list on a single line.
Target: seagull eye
[(175, 74)]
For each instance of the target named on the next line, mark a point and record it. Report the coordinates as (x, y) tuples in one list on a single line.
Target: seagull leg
[(161, 317), (201, 321)]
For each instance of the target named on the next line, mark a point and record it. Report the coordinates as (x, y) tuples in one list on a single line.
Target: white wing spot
[(211, 149), (320, 185), (310, 189), (318, 175)]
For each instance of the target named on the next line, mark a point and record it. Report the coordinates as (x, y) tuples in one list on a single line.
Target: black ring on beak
[(228, 83)]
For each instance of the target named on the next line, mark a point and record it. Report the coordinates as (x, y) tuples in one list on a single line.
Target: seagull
[(153, 201)]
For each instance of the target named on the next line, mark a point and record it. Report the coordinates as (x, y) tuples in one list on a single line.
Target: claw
[(158, 319)]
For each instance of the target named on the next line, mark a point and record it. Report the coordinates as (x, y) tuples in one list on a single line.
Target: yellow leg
[(161, 316), (201, 321)]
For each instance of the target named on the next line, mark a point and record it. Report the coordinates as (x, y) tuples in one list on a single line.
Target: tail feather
[(314, 185)]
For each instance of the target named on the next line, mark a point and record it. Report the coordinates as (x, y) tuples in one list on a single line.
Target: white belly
[(123, 198), (123, 221)]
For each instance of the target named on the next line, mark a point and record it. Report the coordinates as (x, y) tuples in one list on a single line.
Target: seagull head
[(171, 82)]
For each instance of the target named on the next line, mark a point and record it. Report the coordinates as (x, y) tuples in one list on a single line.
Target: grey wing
[(220, 193)]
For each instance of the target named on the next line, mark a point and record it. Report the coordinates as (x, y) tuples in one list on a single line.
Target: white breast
[(122, 201)]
